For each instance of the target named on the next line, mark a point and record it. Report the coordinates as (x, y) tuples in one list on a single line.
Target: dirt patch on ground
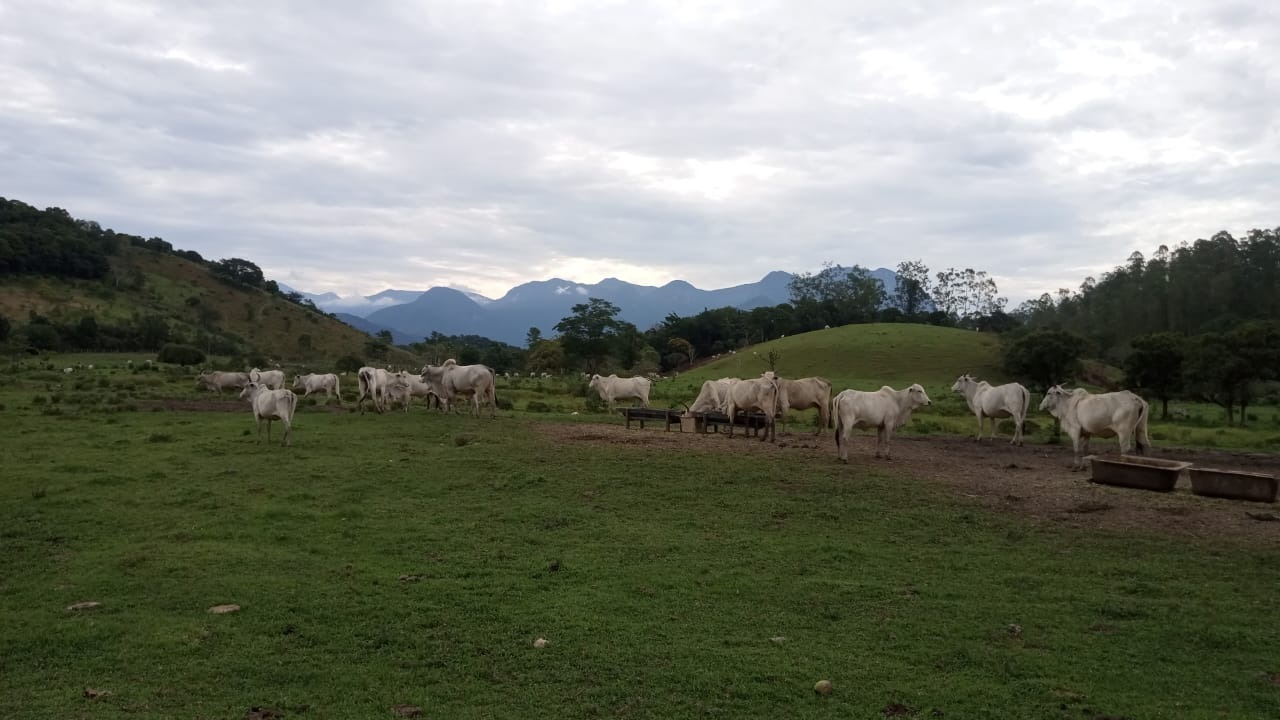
[(1033, 480)]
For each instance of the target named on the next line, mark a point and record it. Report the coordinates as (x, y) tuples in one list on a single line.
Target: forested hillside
[(68, 284)]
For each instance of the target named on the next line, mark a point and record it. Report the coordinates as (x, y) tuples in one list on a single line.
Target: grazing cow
[(759, 394), (713, 397), (271, 405), (450, 380), (614, 388), (405, 386), (802, 394), (1000, 401), (273, 379), (1083, 415), (327, 384), (217, 381), (373, 385), (885, 410)]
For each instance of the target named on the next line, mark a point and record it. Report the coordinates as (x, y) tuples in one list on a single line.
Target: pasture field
[(413, 559)]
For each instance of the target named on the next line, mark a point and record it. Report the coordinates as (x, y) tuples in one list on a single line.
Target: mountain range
[(411, 315)]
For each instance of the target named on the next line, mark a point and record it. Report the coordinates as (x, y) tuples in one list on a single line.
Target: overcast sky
[(352, 147)]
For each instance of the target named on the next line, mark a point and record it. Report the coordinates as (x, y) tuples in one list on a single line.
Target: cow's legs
[(288, 428)]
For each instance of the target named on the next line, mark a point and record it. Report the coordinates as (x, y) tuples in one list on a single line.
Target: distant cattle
[(803, 394), (758, 395), (327, 384), (994, 402), (614, 388), (217, 381), (1082, 415), (271, 405), (885, 410), (273, 379)]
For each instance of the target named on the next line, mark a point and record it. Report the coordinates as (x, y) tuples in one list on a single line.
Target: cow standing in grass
[(217, 381), (271, 405), (1082, 414), (994, 402), (614, 388), (273, 379), (327, 384), (885, 410)]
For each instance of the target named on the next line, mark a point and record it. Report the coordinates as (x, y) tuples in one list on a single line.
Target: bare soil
[(1032, 480)]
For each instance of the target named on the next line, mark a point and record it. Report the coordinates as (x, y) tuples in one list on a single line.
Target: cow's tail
[(291, 401), (1140, 437), (337, 388), (835, 423)]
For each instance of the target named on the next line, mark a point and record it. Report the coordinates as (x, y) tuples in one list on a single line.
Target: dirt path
[(1034, 480)]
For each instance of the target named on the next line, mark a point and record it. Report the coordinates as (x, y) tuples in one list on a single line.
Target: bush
[(505, 404), (594, 404), (180, 354), (537, 406), (349, 363)]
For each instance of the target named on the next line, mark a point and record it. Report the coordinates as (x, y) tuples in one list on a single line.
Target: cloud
[(489, 144)]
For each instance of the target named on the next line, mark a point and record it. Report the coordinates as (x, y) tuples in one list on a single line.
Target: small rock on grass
[(88, 605), (823, 687), (223, 609), (778, 639), (540, 642)]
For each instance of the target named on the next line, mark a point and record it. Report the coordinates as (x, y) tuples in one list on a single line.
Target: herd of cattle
[(1081, 414)]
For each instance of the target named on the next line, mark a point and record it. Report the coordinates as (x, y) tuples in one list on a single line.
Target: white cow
[(217, 381), (1000, 401), (802, 394), (885, 410), (327, 384), (271, 405), (373, 384), (713, 397), (614, 388), (1083, 415), (451, 380), (758, 394), (273, 379), (405, 386)]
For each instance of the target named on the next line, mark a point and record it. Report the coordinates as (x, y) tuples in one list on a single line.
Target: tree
[(376, 348), (683, 347), (547, 356), (1044, 358), (590, 333), (238, 271), (385, 336), (533, 337), (912, 290), (967, 294), (837, 295), (348, 364), (1156, 365)]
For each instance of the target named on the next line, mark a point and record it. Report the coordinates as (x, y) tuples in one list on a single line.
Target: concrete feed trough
[(1234, 484), (1136, 472)]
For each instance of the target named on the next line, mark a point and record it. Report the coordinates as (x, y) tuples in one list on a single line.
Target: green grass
[(659, 578)]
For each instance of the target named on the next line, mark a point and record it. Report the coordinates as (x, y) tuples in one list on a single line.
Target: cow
[(273, 379), (1000, 401), (405, 386), (217, 381), (373, 384), (713, 397), (327, 384), (271, 405), (450, 380), (614, 388), (885, 410), (802, 394), (1082, 414), (759, 394)]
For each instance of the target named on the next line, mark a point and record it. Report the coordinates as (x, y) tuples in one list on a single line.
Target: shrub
[(349, 363), (594, 404), (537, 406), (180, 354), (505, 404)]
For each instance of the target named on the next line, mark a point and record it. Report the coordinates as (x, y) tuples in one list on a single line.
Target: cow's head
[(917, 395), (250, 389), (962, 383), (595, 381), (1053, 398), (297, 381)]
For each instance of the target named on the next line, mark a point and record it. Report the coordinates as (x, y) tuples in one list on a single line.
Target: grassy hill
[(190, 298), (865, 357)]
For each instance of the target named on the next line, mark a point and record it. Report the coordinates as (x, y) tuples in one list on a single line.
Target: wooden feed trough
[(1234, 484), (1136, 472)]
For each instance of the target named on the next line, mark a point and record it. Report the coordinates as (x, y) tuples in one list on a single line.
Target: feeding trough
[(1234, 484), (1136, 472)]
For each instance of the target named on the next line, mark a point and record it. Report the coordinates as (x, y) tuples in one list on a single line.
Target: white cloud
[(490, 144)]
